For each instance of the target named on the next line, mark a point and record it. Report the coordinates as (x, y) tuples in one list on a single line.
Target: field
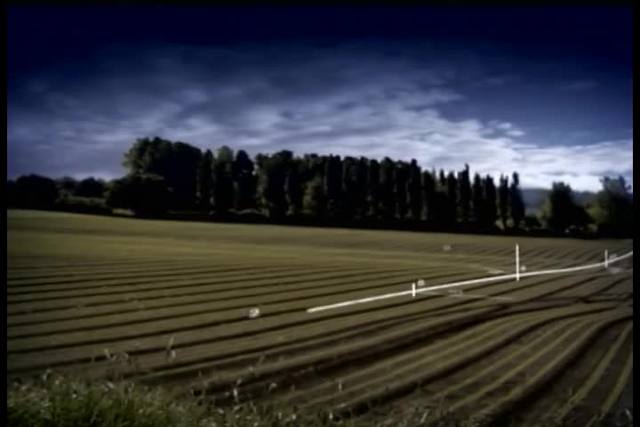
[(170, 303)]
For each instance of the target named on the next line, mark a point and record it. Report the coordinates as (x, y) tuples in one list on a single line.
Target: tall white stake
[(517, 263), (413, 289), (606, 258)]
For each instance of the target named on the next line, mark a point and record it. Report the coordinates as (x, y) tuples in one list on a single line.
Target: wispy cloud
[(579, 85), (498, 80), (329, 102)]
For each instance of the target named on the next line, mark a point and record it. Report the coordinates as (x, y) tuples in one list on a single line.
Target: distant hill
[(535, 197)]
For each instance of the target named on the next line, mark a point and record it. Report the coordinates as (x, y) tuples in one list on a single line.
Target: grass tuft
[(53, 400)]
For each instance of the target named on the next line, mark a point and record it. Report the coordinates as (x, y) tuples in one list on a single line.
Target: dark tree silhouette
[(294, 185), (387, 184), (465, 195), (442, 181), (11, 194), (515, 199), (350, 186), (560, 212), (414, 189), (183, 175), (272, 176), (442, 216), (429, 197), (361, 196), (401, 191), (491, 215), (176, 162), (354, 176), (67, 185), (503, 200), (612, 209), (223, 188), (90, 187), (452, 199), (478, 202), (175, 176), (333, 187), (315, 199), (205, 181), (146, 195), (35, 192), (374, 192), (245, 181)]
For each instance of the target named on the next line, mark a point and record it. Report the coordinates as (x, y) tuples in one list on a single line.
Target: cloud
[(507, 128), (579, 85), (498, 80), (348, 101)]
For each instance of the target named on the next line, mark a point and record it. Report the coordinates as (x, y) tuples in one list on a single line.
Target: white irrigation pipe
[(414, 291), (466, 295)]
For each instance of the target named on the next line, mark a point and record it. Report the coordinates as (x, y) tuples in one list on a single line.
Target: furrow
[(379, 387), (147, 278), (613, 397), (595, 375), (150, 285), (551, 369), (198, 288), (234, 299)]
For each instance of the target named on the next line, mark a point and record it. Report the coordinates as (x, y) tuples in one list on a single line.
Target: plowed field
[(169, 303)]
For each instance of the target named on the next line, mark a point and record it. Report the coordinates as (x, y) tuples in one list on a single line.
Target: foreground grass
[(53, 400)]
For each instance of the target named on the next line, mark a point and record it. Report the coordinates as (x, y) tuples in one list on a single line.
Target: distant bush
[(33, 192), (612, 208), (145, 194), (252, 215), (90, 187), (87, 205), (66, 186), (562, 215), (11, 194), (531, 222)]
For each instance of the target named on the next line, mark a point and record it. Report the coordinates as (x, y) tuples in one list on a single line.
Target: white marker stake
[(606, 258), (413, 289), (517, 263)]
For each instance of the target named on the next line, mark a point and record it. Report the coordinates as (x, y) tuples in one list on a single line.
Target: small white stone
[(254, 312)]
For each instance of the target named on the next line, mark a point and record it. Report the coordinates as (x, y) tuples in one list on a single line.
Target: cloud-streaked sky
[(546, 91)]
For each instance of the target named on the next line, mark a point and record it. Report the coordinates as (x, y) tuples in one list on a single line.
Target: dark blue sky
[(544, 91)]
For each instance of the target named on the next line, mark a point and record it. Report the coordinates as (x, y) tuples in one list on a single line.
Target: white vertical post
[(606, 258), (413, 289), (517, 263)]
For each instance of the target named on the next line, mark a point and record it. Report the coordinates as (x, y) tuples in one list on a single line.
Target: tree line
[(166, 177)]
